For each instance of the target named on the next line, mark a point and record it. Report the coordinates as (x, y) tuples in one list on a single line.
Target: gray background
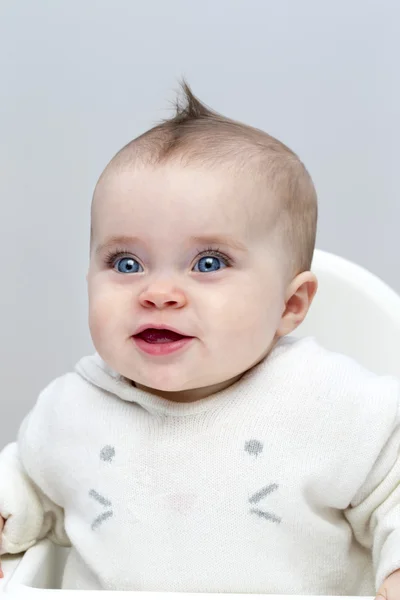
[(81, 78)]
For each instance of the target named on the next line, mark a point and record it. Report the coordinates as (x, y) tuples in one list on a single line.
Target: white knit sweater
[(285, 483)]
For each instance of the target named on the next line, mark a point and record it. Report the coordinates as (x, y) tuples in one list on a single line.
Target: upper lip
[(160, 326)]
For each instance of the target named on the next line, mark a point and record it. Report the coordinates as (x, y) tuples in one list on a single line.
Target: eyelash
[(112, 257)]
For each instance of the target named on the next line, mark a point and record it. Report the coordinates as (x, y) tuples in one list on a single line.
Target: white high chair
[(354, 312)]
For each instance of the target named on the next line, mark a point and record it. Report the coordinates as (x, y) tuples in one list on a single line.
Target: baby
[(202, 448)]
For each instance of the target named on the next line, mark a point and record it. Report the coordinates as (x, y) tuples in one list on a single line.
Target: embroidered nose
[(181, 503)]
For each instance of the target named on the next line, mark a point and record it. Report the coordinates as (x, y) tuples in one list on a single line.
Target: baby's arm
[(374, 513), (20, 511), (27, 514), (29, 503), (1, 530)]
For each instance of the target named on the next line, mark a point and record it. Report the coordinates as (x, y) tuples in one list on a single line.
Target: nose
[(162, 295)]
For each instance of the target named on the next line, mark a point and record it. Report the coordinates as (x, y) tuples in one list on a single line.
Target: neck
[(190, 395)]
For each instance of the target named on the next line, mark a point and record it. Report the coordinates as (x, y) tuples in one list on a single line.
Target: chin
[(163, 386), (170, 383)]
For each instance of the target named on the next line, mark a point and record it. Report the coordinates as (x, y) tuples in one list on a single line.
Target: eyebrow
[(225, 240), (124, 240), (121, 240)]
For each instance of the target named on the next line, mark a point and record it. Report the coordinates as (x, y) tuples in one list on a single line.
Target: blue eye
[(127, 265), (209, 264)]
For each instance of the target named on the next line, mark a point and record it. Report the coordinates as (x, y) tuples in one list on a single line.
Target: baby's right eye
[(122, 263), (127, 265)]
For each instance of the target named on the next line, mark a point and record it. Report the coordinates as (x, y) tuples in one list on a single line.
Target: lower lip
[(161, 349)]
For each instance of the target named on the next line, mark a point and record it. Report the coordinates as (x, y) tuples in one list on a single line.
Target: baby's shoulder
[(332, 379), (55, 409)]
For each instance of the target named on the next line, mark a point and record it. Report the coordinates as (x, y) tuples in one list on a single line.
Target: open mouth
[(160, 342), (160, 336)]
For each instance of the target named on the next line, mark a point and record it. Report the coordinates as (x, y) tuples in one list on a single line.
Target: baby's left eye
[(210, 263)]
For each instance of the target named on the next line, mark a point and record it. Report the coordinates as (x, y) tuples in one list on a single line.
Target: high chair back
[(356, 313)]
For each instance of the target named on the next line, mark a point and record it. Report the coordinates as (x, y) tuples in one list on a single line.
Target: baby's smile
[(160, 340)]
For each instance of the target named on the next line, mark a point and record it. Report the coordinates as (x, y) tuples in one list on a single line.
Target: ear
[(299, 296)]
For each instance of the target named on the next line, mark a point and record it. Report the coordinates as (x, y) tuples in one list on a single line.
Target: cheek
[(103, 318), (252, 308)]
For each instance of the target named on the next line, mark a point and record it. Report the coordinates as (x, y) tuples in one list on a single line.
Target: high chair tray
[(38, 573)]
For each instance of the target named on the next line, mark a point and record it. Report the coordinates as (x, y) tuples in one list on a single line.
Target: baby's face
[(198, 257)]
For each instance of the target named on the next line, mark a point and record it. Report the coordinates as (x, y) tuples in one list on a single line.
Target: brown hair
[(198, 133)]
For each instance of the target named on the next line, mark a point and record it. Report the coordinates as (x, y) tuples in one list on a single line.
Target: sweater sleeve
[(30, 516), (29, 501), (374, 512)]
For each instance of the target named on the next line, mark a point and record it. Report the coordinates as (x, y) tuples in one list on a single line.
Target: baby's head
[(206, 226)]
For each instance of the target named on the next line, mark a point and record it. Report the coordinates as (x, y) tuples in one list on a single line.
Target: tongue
[(160, 336)]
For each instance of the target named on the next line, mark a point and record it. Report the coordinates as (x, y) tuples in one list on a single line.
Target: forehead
[(163, 201)]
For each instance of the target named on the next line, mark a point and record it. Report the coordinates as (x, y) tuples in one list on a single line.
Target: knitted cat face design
[(106, 454), (254, 448)]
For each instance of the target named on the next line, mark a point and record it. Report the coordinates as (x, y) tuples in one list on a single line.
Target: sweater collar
[(97, 372)]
